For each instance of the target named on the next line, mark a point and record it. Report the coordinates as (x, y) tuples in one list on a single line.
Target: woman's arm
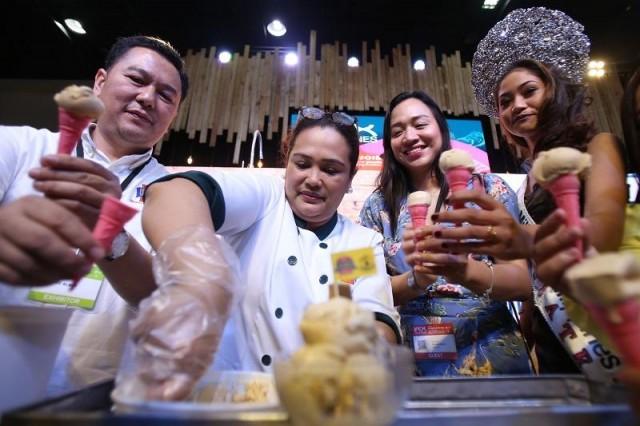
[(605, 193)]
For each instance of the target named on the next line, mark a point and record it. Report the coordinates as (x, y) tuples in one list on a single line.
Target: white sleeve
[(11, 141), (248, 197), (374, 292)]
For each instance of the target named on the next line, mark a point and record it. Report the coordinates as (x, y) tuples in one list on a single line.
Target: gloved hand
[(178, 328)]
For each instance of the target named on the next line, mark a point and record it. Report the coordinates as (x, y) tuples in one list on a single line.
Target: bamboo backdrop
[(255, 92)]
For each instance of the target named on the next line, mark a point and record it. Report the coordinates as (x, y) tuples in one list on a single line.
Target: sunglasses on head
[(313, 113)]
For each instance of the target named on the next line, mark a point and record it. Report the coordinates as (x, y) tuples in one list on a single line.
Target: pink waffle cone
[(71, 128), (457, 178), (624, 330), (418, 214), (113, 215), (566, 192)]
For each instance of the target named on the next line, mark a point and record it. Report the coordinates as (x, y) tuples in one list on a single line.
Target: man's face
[(141, 94)]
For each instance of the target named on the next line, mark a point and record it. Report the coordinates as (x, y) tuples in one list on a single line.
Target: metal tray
[(521, 400)]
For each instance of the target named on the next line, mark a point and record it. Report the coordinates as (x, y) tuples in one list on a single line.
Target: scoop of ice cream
[(456, 158), (560, 161), (79, 101), (341, 322), (605, 279), (418, 198)]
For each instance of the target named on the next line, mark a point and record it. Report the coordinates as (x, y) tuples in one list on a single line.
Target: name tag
[(83, 296), (434, 341)]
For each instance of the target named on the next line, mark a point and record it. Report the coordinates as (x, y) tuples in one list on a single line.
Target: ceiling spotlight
[(291, 59), (74, 26), (490, 4), (62, 28), (419, 65), (596, 69), (224, 56), (276, 28), (353, 62)]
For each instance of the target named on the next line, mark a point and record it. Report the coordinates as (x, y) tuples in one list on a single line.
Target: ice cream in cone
[(457, 166), (418, 204), (77, 107), (559, 171), (609, 286)]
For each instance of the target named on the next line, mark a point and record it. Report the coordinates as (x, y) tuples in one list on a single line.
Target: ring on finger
[(491, 233)]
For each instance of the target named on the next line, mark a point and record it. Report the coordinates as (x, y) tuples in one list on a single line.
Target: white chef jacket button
[(266, 360), (292, 260), (279, 313), (323, 279), (323, 245)]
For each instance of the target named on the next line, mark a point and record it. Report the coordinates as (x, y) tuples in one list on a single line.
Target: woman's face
[(521, 96), (416, 139), (318, 174)]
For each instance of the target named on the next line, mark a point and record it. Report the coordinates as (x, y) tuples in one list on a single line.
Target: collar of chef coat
[(322, 231)]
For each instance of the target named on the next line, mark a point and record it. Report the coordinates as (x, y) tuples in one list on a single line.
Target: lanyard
[(125, 183)]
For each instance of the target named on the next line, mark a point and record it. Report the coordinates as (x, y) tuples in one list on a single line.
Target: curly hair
[(394, 182), (562, 118)]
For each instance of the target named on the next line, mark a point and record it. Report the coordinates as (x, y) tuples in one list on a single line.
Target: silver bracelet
[(411, 280), (487, 293)]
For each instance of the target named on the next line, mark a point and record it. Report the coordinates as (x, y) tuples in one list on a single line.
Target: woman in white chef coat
[(283, 233)]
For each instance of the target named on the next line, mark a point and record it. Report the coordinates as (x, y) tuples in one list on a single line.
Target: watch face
[(120, 245)]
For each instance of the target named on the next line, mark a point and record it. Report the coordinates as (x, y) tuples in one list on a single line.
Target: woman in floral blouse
[(453, 309)]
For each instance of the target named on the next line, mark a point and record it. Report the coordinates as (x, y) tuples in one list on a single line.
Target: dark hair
[(350, 133), (124, 44), (631, 123), (562, 120), (393, 181)]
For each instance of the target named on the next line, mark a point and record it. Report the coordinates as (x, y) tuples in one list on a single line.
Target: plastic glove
[(178, 328)]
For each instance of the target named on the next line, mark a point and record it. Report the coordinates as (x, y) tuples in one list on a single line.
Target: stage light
[(419, 65), (353, 62), (276, 28), (62, 28), (291, 59), (490, 4), (224, 56), (74, 26), (189, 160)]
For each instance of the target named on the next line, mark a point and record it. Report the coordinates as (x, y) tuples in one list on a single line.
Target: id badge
[(83, 296), (435, 342)]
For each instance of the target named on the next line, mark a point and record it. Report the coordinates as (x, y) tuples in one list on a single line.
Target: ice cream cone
[(418, 205), (622, 324), (113, 216), (418, 215), (457, 178), (71, 128), (566, 192)]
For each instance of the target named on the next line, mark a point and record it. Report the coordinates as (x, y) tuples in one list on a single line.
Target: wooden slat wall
[(240, 96)]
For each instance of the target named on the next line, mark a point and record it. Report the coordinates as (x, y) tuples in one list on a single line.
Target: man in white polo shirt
[(142, 85)]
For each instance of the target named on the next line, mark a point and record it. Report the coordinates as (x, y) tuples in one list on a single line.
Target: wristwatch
[(119, 246)]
